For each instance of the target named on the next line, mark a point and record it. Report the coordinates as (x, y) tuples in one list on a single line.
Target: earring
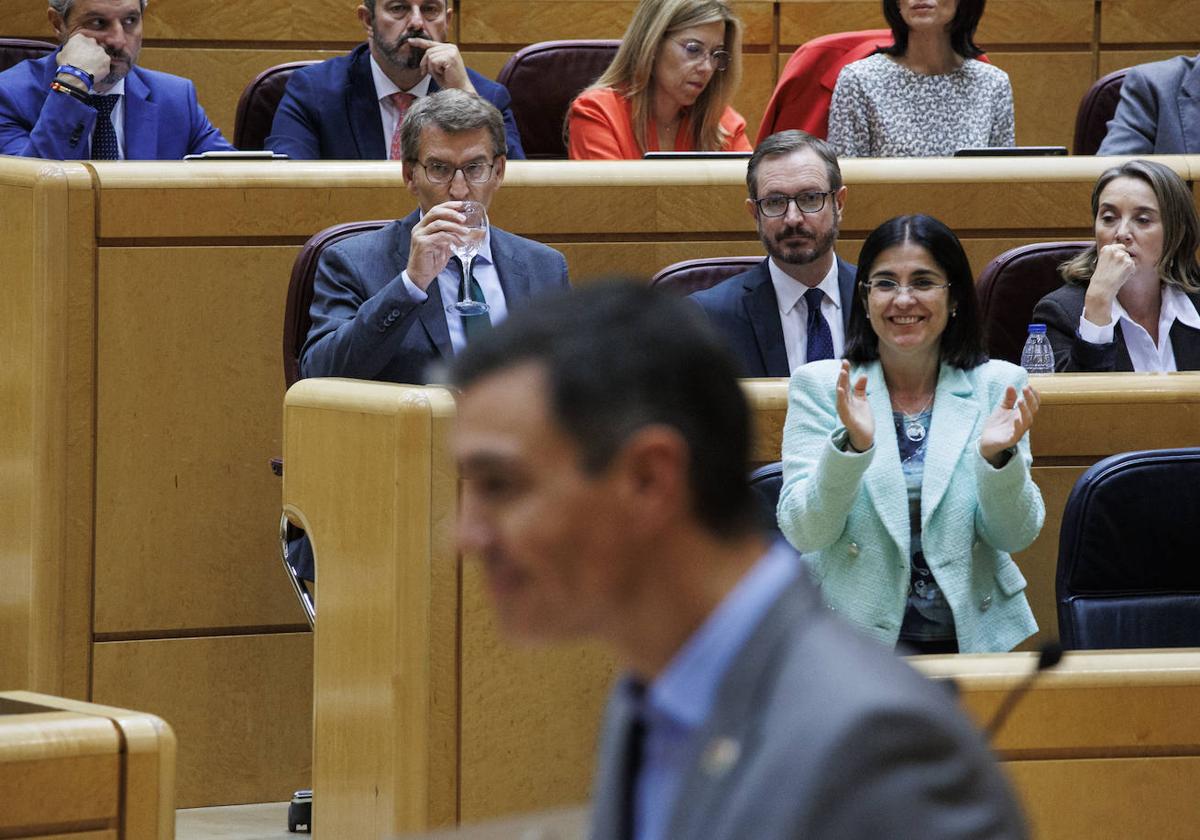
[(953, 312)]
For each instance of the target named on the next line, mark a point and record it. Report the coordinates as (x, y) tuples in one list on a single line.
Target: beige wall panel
[(803, 20), (217, 211), (279, 20), (487, 62), (1005, 22), (1148, 22), (221, 74), (1111, 60), (504, 692), (190, 390), (17, 457), (23, 19), (522, 22), (1047, 87), (240, 706), (1109, 797), (758, 81), (592, 261)]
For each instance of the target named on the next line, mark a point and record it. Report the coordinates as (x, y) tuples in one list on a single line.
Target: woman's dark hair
[(962, 342), (962, 28)]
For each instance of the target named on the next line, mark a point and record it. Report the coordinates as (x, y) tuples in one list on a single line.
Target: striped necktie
[(473, 325)]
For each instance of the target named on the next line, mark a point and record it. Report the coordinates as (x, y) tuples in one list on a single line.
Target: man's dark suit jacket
[(163, 120), (1159, 112), (330, 112), (1060, 311), (365, 325), (818, 733), (745, 310)]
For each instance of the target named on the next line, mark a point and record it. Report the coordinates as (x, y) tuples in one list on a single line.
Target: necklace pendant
[(914, 431)]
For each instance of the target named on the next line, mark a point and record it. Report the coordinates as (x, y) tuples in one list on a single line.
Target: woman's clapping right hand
[(853, 409)]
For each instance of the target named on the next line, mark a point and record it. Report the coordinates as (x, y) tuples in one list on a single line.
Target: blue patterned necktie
[(820, 339), (104, 136), (473, 325)]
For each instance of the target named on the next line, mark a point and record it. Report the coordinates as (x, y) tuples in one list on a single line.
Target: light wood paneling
[(1101, 746), (240, 707), (222, 74), (277, 20), (1148, 22), (422, 717), (172, 442), (522, 22), (1047, 88), (1004, 22), (1111, 60)]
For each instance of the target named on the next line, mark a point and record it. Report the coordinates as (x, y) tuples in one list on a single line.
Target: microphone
[(1049, 655)]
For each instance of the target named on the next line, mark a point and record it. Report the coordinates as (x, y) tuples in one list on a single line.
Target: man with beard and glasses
[(91, 100), (793, 307), (351, 107)]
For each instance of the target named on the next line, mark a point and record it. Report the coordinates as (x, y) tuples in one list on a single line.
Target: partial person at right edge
[(794, 306), (90, 100), (928, 95), (1131, 299), (351, 107), (669, 87), (1159, 111)]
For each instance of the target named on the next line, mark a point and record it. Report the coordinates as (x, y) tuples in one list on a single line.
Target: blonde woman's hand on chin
[(1114, 268)]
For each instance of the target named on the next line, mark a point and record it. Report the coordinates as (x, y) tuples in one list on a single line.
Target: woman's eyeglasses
[(695, 52), (920, 287)]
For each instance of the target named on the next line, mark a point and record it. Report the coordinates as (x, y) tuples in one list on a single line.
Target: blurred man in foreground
[(603, 442)]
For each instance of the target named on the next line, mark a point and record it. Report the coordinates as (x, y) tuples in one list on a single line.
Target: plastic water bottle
[(1038, 355)]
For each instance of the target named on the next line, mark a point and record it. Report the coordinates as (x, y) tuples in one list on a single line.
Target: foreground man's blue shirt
[(675, 706)]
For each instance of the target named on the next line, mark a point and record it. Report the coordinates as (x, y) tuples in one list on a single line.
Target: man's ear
[(752, 209), (57, 22), (654, 465), (839, 200), (366, 19)]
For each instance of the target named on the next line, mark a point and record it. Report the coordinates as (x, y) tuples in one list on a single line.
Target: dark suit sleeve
[(1134, 126), (295, 130), (908, 772), (62, 130), (354, 335), (1072, 353), (204, 136), (499, 96)]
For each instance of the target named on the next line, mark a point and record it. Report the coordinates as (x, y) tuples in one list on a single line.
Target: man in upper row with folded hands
[(91, 100), (351, 107)]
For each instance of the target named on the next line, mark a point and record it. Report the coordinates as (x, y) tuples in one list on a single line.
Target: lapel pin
[(720, 755)]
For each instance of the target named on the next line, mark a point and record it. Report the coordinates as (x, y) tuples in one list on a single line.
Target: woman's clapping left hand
[(1008, 423)]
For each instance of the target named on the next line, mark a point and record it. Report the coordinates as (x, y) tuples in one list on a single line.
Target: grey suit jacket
[(745, 310), (821, 734), (1159, 112), (366, 325), (1060, 311)]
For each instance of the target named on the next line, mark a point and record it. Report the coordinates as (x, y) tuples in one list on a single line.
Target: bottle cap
[(1037, 329)]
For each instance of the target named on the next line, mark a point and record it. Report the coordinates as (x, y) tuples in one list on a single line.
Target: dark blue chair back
[(766, 482), (1129, 553)]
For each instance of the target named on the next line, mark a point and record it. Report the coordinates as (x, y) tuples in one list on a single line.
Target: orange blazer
[(600, 125)]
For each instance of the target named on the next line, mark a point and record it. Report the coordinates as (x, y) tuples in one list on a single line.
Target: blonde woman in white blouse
[(928, 95)]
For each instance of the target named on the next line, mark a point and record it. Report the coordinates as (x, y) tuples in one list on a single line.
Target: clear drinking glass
[(476, 224)]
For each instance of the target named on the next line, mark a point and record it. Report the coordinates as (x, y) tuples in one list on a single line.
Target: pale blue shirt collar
[(680, 700)]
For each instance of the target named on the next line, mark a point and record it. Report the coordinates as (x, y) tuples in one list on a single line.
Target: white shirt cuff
[(414, 291), (1093, 334)]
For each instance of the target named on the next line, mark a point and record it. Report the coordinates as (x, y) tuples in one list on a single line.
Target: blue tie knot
[(104, 102)]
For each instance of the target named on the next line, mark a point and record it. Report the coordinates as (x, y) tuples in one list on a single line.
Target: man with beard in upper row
[(793, 307), (351, 107), (91, 100)]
